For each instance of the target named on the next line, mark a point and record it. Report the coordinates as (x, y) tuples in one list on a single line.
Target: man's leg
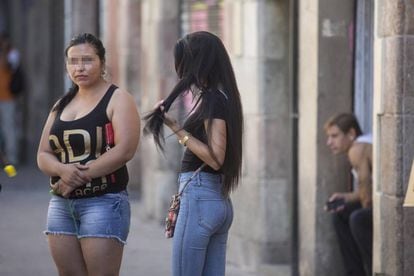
[(349, 249), (361, 228)]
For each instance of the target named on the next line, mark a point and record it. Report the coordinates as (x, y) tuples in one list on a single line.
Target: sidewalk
[(23, 247)]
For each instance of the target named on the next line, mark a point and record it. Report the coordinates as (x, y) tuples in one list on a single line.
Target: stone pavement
[(23, 247)]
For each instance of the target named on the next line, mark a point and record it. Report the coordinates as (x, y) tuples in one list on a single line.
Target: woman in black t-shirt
[(212, 135)]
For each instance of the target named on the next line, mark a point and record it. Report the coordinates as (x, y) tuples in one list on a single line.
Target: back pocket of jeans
[(211, 213)]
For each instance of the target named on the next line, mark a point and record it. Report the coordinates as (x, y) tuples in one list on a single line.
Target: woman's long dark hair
[(84, 38), (201, 60)]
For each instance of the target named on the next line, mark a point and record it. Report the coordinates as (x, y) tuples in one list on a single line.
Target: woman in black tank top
[(88, 137), (212, 135)]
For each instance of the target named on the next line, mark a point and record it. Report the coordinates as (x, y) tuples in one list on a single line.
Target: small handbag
[(174, 208)]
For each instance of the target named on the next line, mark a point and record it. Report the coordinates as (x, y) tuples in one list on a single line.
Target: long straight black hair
[(84, 38), (201, 61)]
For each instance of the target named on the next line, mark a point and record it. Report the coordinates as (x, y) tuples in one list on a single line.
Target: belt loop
[(199, 179)]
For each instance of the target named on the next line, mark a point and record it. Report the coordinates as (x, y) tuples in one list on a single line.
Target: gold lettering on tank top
[(88, 189), (59, 150), (86, 140), (85, 191)]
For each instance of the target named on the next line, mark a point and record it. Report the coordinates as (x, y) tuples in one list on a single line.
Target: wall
[(325, 88), (38, 32), (160, 29), (393, 132), (120, 31), (256, 34), (33, 22)]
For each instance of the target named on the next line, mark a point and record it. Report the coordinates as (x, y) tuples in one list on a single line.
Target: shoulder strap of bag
[(191, 178)]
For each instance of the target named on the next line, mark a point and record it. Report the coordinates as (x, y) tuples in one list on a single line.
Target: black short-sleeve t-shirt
[(217, 102)]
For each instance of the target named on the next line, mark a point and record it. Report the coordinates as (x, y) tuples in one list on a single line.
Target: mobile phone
[(332, 205)]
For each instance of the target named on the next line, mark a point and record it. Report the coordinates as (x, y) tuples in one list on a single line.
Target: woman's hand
[(74, 175), (62, 188), (168, 120)]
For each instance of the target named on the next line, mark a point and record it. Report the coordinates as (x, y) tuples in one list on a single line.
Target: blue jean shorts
[(106, 216)]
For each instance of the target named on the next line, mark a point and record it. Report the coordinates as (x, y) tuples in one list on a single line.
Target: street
[(23, 246)]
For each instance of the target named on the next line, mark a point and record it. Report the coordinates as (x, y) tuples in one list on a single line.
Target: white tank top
[(365, 138)]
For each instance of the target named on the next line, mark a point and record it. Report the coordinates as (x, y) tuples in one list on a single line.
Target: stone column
[(160, 25), (4, 7), (40, 40), (393, 136), (257, 37), (325, 88), (111, 35), (121, 34), (84, 16)]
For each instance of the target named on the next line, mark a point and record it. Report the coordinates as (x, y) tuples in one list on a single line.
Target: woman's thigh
[(103, 230), (67, 255), (189, 246), (102, 256), (95, 229), (215, 261)]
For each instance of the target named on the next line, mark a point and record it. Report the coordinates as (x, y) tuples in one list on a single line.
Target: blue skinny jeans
[(203, 223)]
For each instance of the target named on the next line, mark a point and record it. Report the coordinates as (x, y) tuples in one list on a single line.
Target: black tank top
[(82, 141)]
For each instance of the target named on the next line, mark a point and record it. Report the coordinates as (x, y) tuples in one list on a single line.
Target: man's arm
[(360, 156)]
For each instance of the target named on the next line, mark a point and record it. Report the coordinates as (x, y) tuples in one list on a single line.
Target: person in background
[(352, 211), (9, 61), (211, 135), (89, 212), (13, 55)]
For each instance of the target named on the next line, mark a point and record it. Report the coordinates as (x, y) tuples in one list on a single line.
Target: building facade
[(297, 62)]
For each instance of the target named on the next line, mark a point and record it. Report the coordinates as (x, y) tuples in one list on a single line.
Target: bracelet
[(183, 141)]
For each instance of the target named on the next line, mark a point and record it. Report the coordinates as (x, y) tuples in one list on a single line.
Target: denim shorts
[(106, 216)]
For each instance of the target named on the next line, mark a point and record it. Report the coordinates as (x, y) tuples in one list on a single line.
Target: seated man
[(353, 210)]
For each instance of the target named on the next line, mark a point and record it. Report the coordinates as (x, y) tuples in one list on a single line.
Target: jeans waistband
[(205, 179)]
